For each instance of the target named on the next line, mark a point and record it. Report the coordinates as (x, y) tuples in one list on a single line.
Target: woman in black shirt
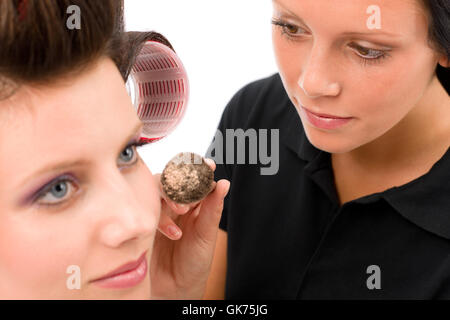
[(358, 206)]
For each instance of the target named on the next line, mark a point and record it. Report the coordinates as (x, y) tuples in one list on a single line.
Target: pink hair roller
[(159, 89)]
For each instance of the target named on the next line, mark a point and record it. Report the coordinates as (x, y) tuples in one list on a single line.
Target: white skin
[(112, 208), (401, 111)]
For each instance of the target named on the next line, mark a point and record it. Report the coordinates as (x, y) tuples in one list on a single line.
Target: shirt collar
[(425, 201)]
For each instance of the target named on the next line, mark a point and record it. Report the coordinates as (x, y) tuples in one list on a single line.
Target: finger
[(213, 186), (211, 163), (167, 210), (208, 220), (168, 227)]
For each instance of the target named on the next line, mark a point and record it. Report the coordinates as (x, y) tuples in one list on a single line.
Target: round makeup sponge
[(187, 178)]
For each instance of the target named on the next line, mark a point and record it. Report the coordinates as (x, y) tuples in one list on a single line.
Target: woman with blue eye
[(55, 192), (81, 215), (359, 207)]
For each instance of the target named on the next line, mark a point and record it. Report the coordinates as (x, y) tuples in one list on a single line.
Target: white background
[(223, 44)]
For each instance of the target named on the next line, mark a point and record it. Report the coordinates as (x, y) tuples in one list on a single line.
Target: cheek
[(287, 57), (35, 254), (146, 190), (387, 93)]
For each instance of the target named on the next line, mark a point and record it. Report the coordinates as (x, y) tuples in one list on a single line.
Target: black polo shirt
[(288, 238)]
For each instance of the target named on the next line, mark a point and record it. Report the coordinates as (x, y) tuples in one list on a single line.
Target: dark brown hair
[(36, 46), (439, 34)]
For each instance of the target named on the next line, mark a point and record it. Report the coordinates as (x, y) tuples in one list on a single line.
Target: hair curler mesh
[(159, 89)]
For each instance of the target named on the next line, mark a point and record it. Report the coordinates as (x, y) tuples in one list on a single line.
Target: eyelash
[(68, 178), (364, 61)]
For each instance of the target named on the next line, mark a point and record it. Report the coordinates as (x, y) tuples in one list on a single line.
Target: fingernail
[(184, 208), (174, 231), (227, 188), (209, 161)]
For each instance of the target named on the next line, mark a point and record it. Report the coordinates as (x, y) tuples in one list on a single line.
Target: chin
[(135, 295), (140, 292), (330, 142)]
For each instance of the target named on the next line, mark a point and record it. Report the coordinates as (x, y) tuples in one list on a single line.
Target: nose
[(124, 218), (317, 77)]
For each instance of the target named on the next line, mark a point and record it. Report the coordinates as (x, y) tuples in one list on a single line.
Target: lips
[(323, 115), (321, 121), (126, 275)]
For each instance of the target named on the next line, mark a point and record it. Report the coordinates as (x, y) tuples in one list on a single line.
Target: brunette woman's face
[(75, 198), (364, 59)]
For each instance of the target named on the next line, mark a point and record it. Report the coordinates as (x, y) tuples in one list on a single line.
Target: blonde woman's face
[(364, 59), (74, 199)]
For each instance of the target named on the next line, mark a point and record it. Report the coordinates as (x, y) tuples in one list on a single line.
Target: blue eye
[(129, 153), (62, 187), (56, 192)]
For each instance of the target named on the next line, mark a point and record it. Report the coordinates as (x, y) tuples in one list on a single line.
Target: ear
[(444, 61)]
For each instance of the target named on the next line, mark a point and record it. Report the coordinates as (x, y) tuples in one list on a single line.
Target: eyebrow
[(345, 33), (81, 162)]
